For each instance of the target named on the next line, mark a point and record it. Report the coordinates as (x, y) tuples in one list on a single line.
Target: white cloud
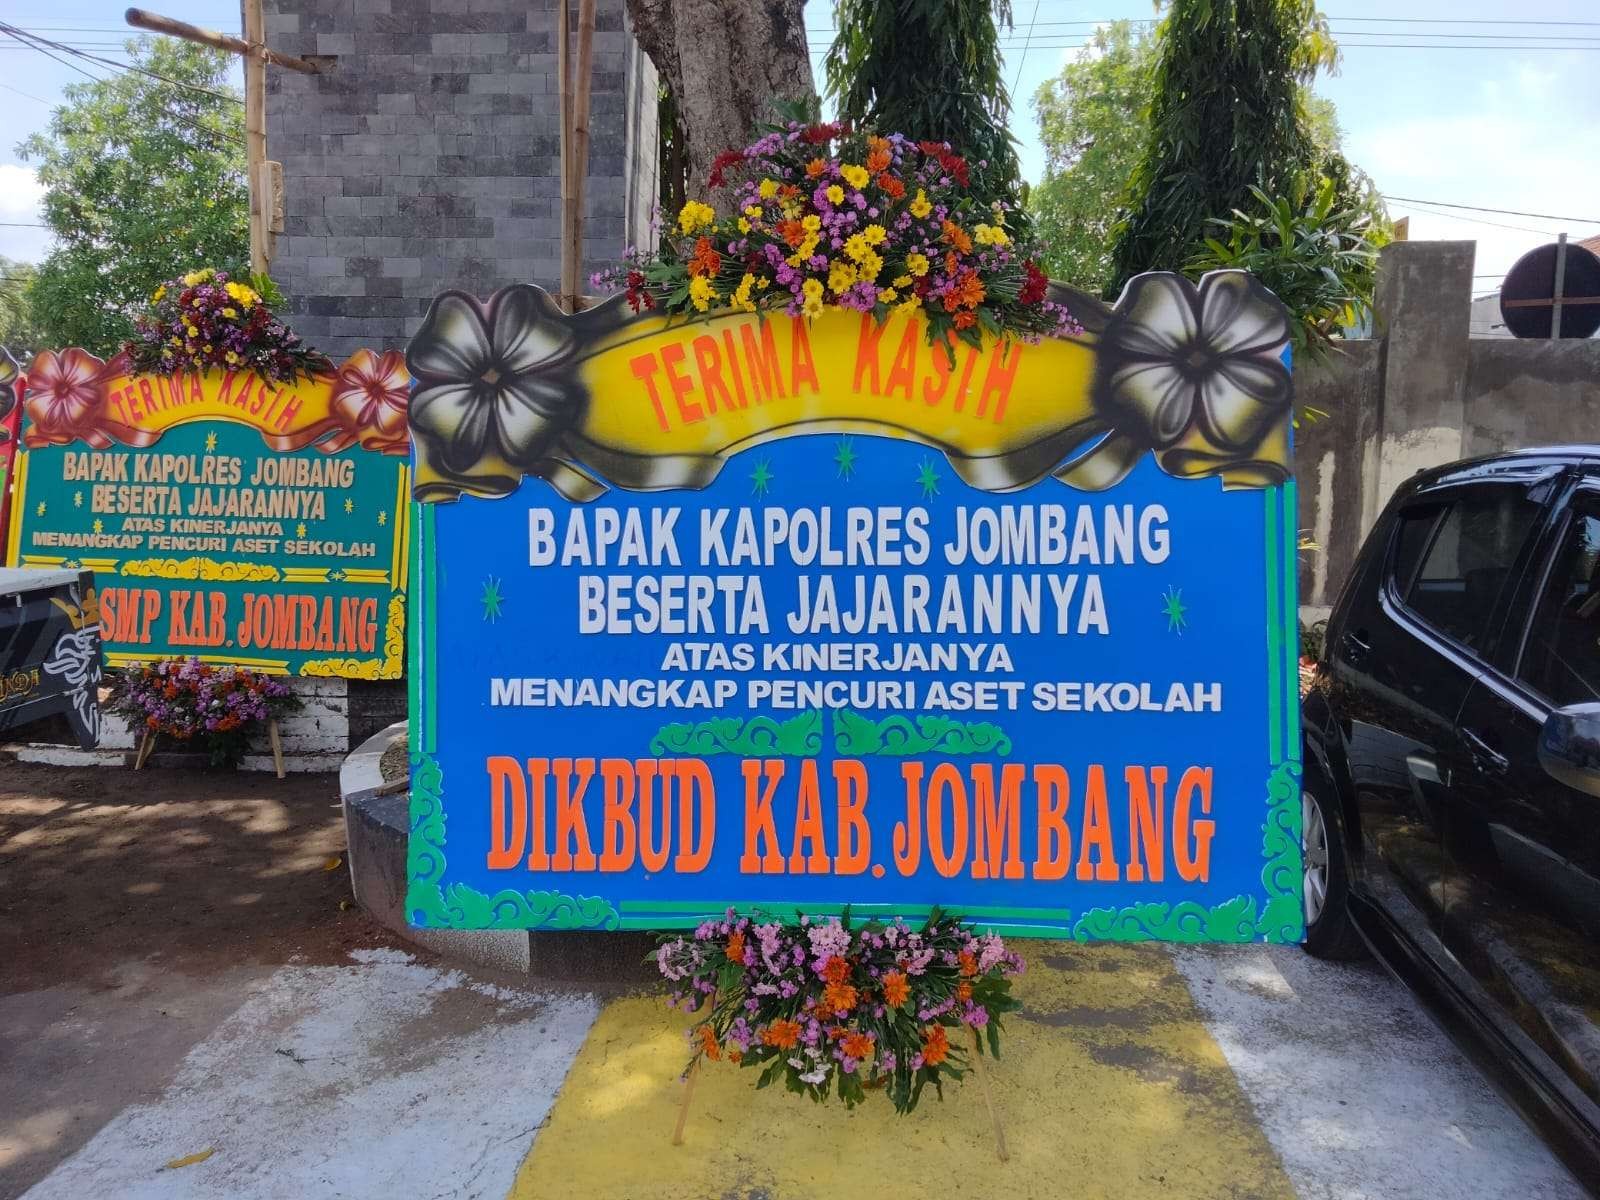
[(21, 197)]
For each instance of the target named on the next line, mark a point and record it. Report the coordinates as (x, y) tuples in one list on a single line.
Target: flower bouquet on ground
[(208, 319), (191, 701), (830, 215), (828, 1006)]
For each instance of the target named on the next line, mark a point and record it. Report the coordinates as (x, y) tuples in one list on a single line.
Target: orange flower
[(706, 260), (878, 158), (965, 319), (950, 262), (957, 237), (736, 946), (836, 970), (935, 1045), (895, 189), (970, 290), (735, 1057), (792, 232), (857, 1045), (838, 997), (708, 1043), (896, 991), (788, 192), (782, 1034), (815, 167), (963, 991)]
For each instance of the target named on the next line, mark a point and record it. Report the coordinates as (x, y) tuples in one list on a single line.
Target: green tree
[(18, 331), (1092, 123), (929, 69), (144, 180), (1226, 115)]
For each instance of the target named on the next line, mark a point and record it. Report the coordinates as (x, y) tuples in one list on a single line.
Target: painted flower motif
[(1181, 361), (489, 377), (370, 396), (9, 373), (65, 392)]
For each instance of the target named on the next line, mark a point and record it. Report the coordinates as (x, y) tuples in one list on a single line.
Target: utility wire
[(1431, 212), (39, 42), (1023, 57), (1505, 212)]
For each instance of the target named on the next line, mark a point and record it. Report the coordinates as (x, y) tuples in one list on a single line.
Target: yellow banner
[(73, 396), (513, 387)]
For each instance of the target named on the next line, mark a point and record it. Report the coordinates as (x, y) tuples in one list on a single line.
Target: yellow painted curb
[(1110, 1087)]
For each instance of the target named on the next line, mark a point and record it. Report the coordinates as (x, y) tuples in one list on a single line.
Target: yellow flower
[(855, 247), (917, 264), (244, 295), (744, 226), (741, 294), (855, 176), (910, 304), (841, 277), (871, 264), (700, 292), (990, 235), (695, 216), (835, 194), (232, 357), (902, 281), (921, 207), (875, 234), (768, 189), (194, 278), (230, 313), (811, 223), (811, 290), (753, 212), (158, 293), (887, 295), (761, 284), (804, 250)]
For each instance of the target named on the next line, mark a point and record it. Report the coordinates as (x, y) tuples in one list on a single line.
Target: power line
[(1430, 212), (24, 224), (39, 42), (1023, 57), (27, 95), (1505, 212)]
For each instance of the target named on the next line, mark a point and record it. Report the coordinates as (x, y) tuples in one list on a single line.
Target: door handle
[(1356, 647), (1488, 759)]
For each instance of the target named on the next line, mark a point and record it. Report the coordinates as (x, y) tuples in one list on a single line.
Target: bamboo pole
[(156, 23), (569, 271), (255, 133), (683, 1107), (580, 145), (988, 1100)]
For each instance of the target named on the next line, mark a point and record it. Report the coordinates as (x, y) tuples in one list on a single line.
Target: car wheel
[(1329, 931)]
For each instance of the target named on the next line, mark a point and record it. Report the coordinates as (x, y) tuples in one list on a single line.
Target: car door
[(1404, 659), (1523, 849)]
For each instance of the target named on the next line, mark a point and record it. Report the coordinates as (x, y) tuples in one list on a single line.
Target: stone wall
[(1422, 394), (428, 156)]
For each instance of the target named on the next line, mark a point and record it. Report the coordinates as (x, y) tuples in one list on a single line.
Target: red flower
[(1036, 285), (66, 398), (728, 158), (370, 397), (816, 135)]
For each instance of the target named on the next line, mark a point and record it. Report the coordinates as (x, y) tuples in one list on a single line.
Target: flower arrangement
[(831, 215), (830, 1006), (208, 319), (188, 700)]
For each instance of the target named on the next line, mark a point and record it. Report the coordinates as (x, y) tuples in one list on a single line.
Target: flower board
[(791, 612)]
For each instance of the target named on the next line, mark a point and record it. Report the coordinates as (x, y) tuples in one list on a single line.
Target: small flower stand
[(148, 743)]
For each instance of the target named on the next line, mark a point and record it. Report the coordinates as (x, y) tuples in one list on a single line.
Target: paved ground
[(187, 1012)]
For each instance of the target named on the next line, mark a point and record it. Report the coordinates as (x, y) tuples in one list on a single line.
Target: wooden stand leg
[(277, 747), (145, 745), (683, 1108), (988, 1099)]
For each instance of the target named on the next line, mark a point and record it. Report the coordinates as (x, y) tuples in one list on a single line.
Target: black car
[(1452, 772)]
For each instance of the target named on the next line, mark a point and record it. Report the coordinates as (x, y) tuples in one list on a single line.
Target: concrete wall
[(1423, 393), (428, 157)]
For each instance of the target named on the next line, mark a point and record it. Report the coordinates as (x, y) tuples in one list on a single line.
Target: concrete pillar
[(1423, 316)]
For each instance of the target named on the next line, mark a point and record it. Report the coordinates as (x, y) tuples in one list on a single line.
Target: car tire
[(1330, 933)]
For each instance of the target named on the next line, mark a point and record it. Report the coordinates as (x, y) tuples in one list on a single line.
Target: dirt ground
[(133, 910)]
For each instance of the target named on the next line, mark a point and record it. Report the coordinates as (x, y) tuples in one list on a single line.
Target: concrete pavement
[(1132, 1072)]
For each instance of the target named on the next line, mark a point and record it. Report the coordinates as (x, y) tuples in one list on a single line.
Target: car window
[(1412, 531), (1468, 560), (1561, 658)]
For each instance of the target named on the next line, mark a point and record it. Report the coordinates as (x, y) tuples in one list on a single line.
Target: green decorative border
[(854, 734), (1280, 918)]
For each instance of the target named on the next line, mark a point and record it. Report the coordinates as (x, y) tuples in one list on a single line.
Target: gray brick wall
[(429, 157)]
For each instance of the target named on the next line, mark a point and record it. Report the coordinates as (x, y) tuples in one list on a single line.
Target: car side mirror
[(1569, 747)]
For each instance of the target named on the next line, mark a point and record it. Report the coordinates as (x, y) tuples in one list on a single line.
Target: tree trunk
[(727, 63)]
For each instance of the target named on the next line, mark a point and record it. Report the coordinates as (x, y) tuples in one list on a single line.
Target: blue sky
[(1460, 102)]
